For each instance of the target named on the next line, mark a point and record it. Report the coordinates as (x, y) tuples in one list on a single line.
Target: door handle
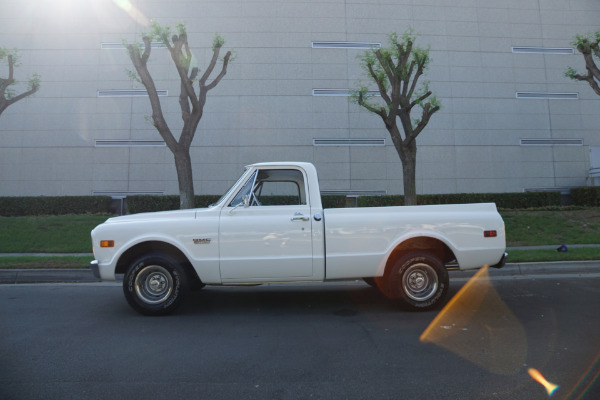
[(299, 217)]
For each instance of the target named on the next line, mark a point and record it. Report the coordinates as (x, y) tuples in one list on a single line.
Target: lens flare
[(588, 383), (133, 12), (478, 326), (538, 377)]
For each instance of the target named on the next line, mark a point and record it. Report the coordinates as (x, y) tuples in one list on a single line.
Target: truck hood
[(154, 216)]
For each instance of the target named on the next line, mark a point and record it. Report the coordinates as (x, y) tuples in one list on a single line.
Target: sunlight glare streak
[(538, 377), (133, 12), (478, 326)]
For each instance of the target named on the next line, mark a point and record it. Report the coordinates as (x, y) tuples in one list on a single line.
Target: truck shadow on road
[(343, 300)]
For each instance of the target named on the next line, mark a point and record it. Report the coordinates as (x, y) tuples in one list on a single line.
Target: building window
[(340, 92), (543, 50), (346, 45), (348, 142), (128, 143), (551, 142), (121, 46), (547, 96), (129, 93)]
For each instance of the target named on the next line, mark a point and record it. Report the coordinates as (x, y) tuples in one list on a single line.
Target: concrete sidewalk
[(13, 276)]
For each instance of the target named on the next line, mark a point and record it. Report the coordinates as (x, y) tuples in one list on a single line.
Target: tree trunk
[(409, 167), (183, 164)]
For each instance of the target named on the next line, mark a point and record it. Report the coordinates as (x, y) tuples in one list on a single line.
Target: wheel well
[(158, 247), (432, 245)]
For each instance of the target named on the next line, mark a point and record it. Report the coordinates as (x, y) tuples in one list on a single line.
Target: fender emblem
[(202, 241)]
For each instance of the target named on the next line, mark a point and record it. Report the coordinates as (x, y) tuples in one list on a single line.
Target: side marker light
[(490, 234), (107, 243)]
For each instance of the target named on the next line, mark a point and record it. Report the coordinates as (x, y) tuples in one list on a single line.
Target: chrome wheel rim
[(420, 282), (153, 284)]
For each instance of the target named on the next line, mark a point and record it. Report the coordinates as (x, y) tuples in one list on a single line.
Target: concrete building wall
[(266, 109)]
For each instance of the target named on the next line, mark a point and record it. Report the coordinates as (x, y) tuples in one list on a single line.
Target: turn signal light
[(489, 234), (107, 243)]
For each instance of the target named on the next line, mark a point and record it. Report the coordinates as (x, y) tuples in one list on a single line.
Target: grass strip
[(534, 228), (48, 234), (42, 262), (544, 255)]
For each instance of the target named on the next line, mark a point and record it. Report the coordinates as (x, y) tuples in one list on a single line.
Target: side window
[(272, 187), (280, 187)]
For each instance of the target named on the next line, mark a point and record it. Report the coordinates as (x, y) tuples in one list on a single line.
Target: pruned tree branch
[(419, 100), (6, 96), (381, 111), (380, 85), (428, 111), (216, 81), (589, 47), (140, 62), (413, 86)]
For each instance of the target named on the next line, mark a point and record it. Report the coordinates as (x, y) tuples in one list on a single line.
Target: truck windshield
[(245, 192), (231, 188)]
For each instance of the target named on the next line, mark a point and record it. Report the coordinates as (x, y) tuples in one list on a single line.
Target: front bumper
[(95, 269)]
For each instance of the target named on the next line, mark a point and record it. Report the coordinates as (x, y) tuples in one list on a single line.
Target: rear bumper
[(502, 262)]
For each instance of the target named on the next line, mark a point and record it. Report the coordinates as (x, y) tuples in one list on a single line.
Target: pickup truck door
[(262, 241)]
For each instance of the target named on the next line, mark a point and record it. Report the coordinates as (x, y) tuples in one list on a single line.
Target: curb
[(537, 268), (16, 276), (12, 276)]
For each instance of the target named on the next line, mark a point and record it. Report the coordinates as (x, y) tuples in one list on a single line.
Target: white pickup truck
[(271, 227)]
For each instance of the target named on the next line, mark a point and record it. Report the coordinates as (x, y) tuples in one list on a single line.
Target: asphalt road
[(321, 341)]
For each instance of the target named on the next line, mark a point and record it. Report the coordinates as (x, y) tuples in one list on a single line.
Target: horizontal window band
[(348, 142), (340, 92), (346, 45), (121, 46), (543, 50), (354, 193), (128, 143), (547, 96), (129, 93), (551, 142), (594, 172)]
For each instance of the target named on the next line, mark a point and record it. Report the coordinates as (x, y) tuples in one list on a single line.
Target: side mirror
[(245, 202)]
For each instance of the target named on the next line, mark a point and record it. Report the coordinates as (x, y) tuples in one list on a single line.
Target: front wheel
[(418, 280), (155, 284)]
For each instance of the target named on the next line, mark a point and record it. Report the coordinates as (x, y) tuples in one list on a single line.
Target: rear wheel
[(155, 284), (418, 280)]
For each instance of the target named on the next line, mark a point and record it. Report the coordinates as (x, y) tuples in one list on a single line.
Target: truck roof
[(305, 165)]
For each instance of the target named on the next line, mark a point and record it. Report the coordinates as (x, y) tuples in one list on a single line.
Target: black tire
[(418, 280), (155, 284)]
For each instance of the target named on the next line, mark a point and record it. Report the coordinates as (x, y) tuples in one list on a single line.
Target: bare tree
[(192, 97), (396, 70), (8, 95), (589, 47)]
